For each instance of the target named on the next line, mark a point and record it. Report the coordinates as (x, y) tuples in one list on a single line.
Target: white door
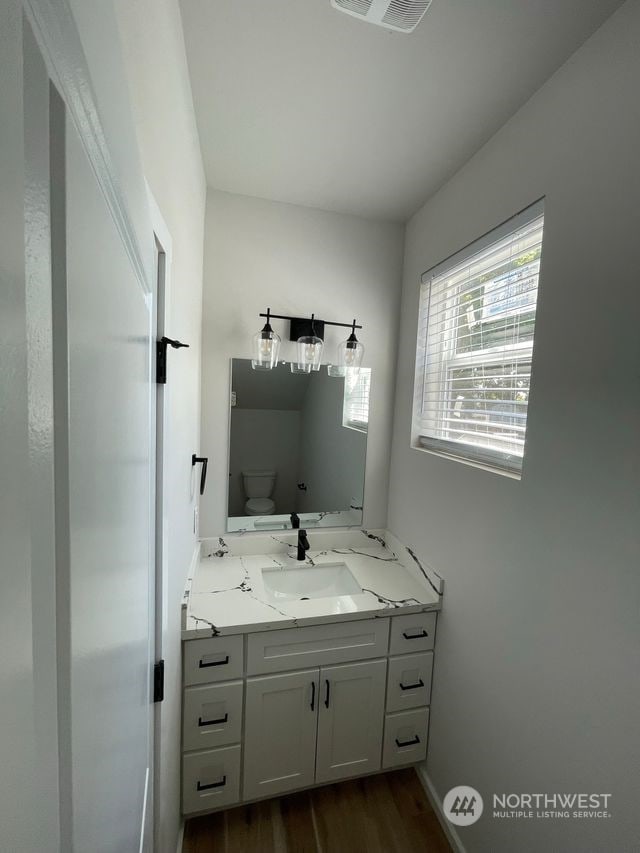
[(28, 733), (351, 717), (280, 733), (102, 330)]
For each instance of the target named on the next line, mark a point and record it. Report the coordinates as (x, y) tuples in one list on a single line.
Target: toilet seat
[(259, 506)]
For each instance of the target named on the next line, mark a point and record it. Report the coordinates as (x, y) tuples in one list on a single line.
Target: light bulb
[(350, 357)]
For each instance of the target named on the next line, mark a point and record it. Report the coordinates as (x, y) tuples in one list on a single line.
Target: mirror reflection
[(298, 443)]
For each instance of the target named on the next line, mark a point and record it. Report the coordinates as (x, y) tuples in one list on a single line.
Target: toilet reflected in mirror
[(298, 443), (258, 487)]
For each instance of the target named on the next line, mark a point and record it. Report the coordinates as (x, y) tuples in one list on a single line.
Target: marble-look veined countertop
[(226, 594)]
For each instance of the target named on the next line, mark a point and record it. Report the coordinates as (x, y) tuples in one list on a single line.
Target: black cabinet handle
[(203, 476), (414, 636), (326, 698), (213, 663), (313, 695), (202, 722), (212, 785), (415, 740), (411, 686)]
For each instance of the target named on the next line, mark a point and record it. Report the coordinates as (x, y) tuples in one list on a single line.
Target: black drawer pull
[(411, 686), (213, 785), (202, 722), (415, 636), (313, 695), (327, 694), (408, 742), (213, 663)]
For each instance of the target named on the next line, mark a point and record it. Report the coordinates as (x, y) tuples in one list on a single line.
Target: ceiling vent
[(401, 15)]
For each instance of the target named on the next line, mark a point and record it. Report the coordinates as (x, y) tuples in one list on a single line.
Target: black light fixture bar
[(308, 320), (302, 326)]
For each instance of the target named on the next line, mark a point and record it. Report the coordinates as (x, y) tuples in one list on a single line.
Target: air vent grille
[(405, 14), (358, 7), (401, 15)]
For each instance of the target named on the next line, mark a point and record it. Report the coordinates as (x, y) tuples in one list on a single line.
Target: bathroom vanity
[(298, 674)]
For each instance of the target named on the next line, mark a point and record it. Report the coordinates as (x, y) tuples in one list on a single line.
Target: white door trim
[(160, 547)]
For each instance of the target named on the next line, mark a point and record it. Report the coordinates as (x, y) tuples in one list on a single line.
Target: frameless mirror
[(298, 443)]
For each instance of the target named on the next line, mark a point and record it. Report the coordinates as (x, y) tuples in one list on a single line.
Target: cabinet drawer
[(413, 633), (210, 779), (213, 659), (405, 738), (409, 681), (212, 715), (295, 648)]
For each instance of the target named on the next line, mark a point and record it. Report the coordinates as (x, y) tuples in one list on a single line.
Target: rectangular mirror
[(298, 443)]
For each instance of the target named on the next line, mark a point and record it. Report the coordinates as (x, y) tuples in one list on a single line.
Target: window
[(355, 406), (475, 346)]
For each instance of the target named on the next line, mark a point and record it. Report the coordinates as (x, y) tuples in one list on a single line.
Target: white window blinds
[(475, 345), (355, 406)]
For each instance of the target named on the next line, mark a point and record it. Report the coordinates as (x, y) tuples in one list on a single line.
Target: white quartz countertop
[(227, 593)]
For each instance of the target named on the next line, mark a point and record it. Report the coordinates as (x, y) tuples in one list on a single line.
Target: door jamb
[(159, 585)]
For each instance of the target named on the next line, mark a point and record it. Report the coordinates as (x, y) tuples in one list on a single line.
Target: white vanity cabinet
[(280, 710), (318, 725), (350, 720), (280, 733)]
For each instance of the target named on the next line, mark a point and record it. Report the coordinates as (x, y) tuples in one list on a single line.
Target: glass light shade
[(266, 346), (350, 353), (310, 352)]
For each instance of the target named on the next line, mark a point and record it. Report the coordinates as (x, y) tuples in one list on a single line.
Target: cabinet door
[(350, 720), (280, 733)]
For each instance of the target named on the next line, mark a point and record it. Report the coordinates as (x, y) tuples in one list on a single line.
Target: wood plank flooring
[(389, 813)]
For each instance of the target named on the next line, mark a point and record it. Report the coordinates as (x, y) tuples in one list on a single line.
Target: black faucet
[(295, 520), (303, 544)]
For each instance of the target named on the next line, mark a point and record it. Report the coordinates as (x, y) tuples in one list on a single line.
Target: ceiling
[(298, 102)]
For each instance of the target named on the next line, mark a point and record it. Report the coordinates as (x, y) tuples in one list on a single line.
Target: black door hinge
[(161, 357), (158, 681)]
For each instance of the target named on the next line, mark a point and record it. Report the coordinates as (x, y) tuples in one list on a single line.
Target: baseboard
[(180, 837), (436, 803)]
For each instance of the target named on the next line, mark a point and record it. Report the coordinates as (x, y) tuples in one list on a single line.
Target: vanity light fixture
[(309, 336), (266, 346)]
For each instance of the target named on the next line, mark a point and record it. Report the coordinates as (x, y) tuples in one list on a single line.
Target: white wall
[(155, 65), (536, 678), (295, 260)]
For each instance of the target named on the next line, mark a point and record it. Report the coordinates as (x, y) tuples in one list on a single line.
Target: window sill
[(473, 463), (363, 430)]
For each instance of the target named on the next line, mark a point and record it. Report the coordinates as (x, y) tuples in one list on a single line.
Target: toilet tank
[(258, 484)]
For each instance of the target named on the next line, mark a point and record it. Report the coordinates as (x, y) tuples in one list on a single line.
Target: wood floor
[(377, 814)]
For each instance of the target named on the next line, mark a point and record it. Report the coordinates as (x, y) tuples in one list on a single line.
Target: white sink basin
[(328, 580)]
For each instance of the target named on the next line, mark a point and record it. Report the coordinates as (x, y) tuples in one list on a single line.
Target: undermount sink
[(328, 580)]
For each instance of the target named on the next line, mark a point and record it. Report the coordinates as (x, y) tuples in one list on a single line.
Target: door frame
[(161, 529)]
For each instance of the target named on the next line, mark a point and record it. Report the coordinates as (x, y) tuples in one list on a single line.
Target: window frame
[(508, 463)]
